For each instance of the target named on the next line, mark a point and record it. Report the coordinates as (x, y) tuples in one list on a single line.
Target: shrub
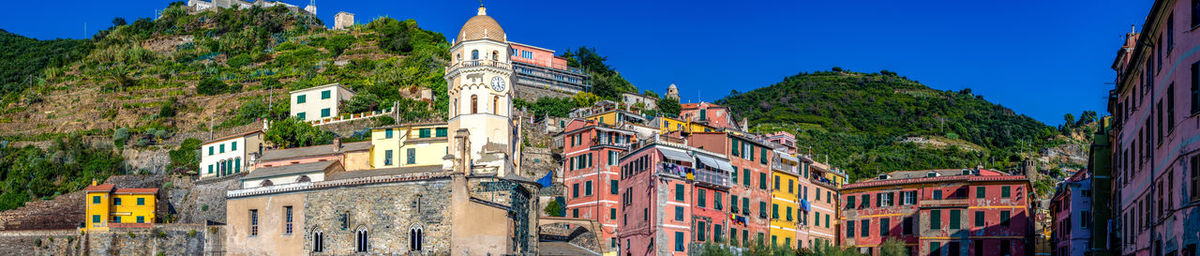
[(204, 208), (120, 136), (187, 156), (211, 86), (384, 120), (239, 60)]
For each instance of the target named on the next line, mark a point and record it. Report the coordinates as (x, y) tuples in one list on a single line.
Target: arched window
[(496, 105), (416, 239), (361, 240), (474, 54), (474, 104), (266, 183), (458, 57), (318, 241), (454, 110), (303, 178), (237, 165), (495, 55)]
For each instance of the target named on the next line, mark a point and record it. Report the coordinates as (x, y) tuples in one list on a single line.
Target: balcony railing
[(716, 178), (949, 202), (477, 63)]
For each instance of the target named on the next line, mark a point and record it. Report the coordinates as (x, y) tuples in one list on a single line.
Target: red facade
[(749, 194), (940, 212), (591, 154)]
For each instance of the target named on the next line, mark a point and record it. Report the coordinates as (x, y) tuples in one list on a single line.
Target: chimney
[(337, 144)]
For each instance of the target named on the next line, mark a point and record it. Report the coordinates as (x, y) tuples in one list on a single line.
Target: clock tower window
[(474, 54), (495, 56), (496, 105), (474, 104)]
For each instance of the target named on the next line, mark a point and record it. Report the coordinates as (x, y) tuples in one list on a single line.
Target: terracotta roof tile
[(99, 188), (137, 191)]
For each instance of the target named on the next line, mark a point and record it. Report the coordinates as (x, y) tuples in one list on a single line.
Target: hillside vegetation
[(872, 123), (151, 83)]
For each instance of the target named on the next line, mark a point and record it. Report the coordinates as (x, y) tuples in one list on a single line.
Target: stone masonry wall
[(41, 242), (387, 211), (169, 239), (197, 202)]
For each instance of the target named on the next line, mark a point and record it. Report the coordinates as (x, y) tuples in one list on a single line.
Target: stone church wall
[(387, 211)]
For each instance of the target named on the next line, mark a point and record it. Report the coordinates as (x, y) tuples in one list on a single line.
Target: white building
[(632, 99), (319, 102), (201, 5), (289, 174), (230, 154), (343, 20)]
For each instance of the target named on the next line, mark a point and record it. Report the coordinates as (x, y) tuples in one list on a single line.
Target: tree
[(118, 21), (554, 209), (362, 102), (606, 82), (1069, 120), (669, 107), (1087, 117), (585, 99), (187, 156), (292, 132), (893, 247)]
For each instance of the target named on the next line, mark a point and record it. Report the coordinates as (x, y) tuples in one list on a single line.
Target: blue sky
[(1040, 58)]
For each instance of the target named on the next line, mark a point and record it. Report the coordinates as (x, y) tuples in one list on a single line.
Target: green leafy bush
[(290, 133)]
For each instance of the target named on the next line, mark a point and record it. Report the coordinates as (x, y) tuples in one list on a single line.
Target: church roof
[(481, 27)]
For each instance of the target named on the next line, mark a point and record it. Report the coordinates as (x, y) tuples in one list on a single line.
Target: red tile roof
[(99, 188), (137, 190)]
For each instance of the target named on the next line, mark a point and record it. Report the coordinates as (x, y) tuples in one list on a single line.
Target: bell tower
[(479, 80)]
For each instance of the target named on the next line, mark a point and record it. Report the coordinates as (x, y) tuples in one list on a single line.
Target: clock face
[(498, 84)]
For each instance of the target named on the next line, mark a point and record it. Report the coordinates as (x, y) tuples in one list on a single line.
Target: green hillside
[(866, 123), (69, 106)]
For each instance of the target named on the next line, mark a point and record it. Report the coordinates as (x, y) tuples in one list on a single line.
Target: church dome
[(481, 27)]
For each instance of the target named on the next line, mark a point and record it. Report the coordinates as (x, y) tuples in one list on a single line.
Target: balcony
[(711, 177), (945, 203), (478, 63), (776, 164)]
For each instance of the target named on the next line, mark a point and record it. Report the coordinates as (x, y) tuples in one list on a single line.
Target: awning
[(715, 163), (677, 155)]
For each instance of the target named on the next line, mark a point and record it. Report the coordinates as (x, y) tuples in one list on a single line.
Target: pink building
[(750, 194), (656, 209), (591, 154), (785, 139), (713, 115), (1156, 133), (1071, 208), (538, 72)]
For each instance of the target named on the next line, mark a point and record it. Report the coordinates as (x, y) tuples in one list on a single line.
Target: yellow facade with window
[(785, 210), (408, 145), (107, 207), (667, 125)]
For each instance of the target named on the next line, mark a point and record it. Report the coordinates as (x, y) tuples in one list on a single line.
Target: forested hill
[(871, 123)]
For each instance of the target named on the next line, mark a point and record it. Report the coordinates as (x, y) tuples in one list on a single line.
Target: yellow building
[(406, 145), (667, 125), (109, 207), (784, 207)]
